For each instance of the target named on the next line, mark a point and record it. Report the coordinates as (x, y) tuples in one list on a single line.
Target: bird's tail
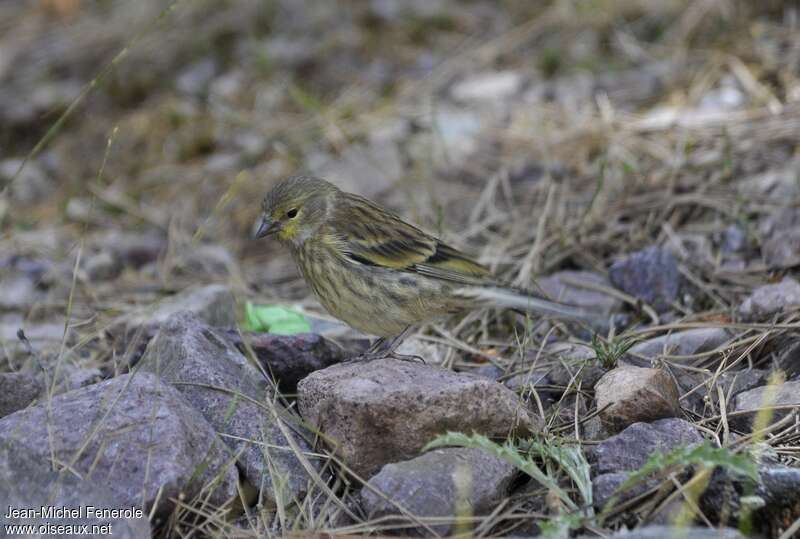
[(515, 298)]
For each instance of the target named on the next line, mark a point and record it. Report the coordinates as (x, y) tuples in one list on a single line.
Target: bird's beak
[(266, 227)]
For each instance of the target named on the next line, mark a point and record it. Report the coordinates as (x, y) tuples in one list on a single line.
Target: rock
[(432, 484), (490, 371), (734, 382), (488, 87), (43, 336), (630, 449), (527, 380), (193, 356), (733, 240), (627, 395), (101, 266), (776, 185), (780, 238), (290, 358), (386, 410), (774, 502), (71, 377), (433, 353), (567, 286), (392, 10), (290, 51), (771, 299), (31, 186), (27, 482), (787, 356), (221, 163), (727, 96), (134, 434), (574, 362), (684, 532), (133, 249), (18, 390), (651, 275), (195, 78), (456, 135), (212, 304), (785, 394), (205, 259), (605, 487), (18, 292), (682, 343), (366, 169)]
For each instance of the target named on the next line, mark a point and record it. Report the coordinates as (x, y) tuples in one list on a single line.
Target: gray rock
[(101, 266), (195, 78), (386, 410), (684, 532), (366, 169), (605, 487), (218, 381), (780, 238), (205, 259), (574, 363), (776, 495), (627, 395), (432, 484), (43, 336), (776, 185), (682, 343), (212, 304), (733, 240), (630, 449), (490, 371), (734, 382), (133, 249), (651, 275), (456, 135), (18, 292), (494, 87), (31, 186), (566, 286), (18, 390), (771, 299), (392, 10), (134, 434), (785, 394), (27, 482)]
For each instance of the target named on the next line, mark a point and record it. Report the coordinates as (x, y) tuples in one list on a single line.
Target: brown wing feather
[(369, 234)]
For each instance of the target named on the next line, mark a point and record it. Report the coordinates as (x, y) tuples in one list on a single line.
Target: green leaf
[(274, 319)]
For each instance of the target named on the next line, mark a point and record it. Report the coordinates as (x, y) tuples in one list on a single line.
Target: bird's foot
[(372, 356)]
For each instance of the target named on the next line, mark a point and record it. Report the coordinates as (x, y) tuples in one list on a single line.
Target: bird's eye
[(291, 214)]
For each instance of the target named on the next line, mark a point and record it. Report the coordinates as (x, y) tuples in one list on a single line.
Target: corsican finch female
[(378, 273)]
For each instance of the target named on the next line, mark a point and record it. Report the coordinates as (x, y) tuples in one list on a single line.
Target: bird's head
[(295, 208)]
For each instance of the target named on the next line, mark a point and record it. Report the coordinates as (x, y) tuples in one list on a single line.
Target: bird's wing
[(370, 235)]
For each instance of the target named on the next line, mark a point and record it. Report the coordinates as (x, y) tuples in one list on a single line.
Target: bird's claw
[(374, 356)]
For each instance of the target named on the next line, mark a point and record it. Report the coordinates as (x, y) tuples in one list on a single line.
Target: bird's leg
[(386, 347)]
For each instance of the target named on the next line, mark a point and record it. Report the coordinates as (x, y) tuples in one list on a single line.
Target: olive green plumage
[(376, 272)]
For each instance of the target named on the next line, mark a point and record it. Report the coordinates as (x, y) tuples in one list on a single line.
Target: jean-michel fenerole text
[(81, 511)]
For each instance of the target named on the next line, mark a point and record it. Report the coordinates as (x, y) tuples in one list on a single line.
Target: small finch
[(377, 273)]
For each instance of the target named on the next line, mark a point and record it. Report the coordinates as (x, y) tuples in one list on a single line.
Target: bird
[(378, 273)]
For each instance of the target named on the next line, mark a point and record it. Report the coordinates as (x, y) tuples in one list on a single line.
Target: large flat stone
[(386, 410), (135, 435)]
